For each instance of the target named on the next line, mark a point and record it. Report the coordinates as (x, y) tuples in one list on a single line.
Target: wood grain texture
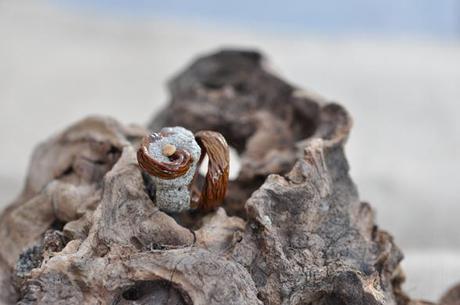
[(214, 145)]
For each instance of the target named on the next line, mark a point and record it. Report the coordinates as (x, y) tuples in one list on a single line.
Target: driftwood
[(292, 230)]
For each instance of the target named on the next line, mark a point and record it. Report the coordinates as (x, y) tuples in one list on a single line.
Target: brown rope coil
[(180, 162), (213, 193), (214, 145)]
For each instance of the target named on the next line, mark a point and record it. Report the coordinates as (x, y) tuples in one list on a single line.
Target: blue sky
[(432, 18)]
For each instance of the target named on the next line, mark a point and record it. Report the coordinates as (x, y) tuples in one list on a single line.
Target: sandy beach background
[(59, 65)]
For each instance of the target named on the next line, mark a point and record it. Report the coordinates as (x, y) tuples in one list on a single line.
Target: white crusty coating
[(173, 195)]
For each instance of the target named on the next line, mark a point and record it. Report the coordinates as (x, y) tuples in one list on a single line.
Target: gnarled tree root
[(292, 230)]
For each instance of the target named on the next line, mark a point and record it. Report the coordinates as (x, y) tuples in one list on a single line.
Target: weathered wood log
[(86, 228), (452, 296)]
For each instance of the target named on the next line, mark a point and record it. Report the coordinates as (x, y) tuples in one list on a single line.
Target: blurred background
[(394, 64)]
